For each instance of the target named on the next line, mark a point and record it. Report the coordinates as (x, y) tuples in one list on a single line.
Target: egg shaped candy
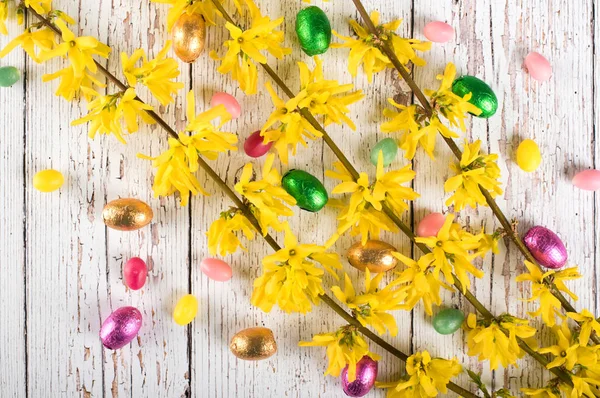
[(588, 180), (127, 214), (189, 35), (448, 320), (309, 192), (366, 374), (253, 344), (430, 225), (529, 156), (314, 30), (135, 272), (374, 255), (538, 66), (438, 32), (229, 102), (9, 75), (482, 96), (546, 247), (185, 310), (48, 180), (120, 327), (254, 145), (215, 269), (388, 148)]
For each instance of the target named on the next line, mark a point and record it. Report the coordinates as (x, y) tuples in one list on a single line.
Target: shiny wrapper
[(366, 374), (546, 247), (482, 96), (309, 192), (189, 35), (120, 327), (253, 344), (127, 214), (374, 255), (314, 30)]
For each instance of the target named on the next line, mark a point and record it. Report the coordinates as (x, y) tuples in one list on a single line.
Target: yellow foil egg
[(253, 344), (374, 255), (189, 33), (529, 156), (48, 180), (127, 214)]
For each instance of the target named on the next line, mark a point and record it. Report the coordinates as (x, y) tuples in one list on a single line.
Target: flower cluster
[(366, 50), (362, 212), (177, 8), (291, 279), (223, 234)]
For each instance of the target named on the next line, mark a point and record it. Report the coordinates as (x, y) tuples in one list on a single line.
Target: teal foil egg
[(313, 30), (482, 97), (309, 192)]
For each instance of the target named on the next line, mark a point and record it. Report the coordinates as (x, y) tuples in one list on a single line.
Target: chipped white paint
[(62, 268)]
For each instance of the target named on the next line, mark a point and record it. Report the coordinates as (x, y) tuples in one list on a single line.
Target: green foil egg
[(9, 75), (389, 148), (483, 97), (313, 30), (309, 192), (448, 321)]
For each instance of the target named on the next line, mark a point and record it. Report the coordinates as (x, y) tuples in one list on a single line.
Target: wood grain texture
[(63, 268)]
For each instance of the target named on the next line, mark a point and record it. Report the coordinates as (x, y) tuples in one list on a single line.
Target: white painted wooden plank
[(12, 238)]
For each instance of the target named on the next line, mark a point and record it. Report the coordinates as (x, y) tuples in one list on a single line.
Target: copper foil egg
[(374, 255), (253, 344), (189, 34), (127, 214)]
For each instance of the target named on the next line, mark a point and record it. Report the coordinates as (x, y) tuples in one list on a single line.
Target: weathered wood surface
[(62, 269)]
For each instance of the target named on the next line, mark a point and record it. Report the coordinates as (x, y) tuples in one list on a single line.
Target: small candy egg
[(127, 214), (448, 320), (588, 180), (253, 344), (48, 180), (189, 35), (438, 32), (309, 192), (374, 255), (9, 75), (229, 102), (120, 327), (185, 310), (431, 224), (482, 95), (314, 30), (215, 269), (254, 147), (546, 247), (529, 156), (538, 66), (134, 273), (366, 374), (389, 148)]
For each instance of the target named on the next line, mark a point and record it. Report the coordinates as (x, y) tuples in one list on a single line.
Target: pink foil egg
[(120, 327), (254, 147), (215, 269), (230, 103), (546, 247), (366, 373), (438, 32), (430, 224), (538, 66), (588, 180), (134, 273)]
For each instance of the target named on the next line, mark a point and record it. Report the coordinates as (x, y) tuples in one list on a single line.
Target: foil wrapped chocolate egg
[(374, 255), (482, 95), (120, 327), (189, 34), (127, 214), (309, 192), (366, 374), (253, 344), (546, 247), (313, 30)]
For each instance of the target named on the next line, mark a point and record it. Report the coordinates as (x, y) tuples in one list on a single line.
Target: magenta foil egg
[(546, 247), (120, 327), (366, 373)]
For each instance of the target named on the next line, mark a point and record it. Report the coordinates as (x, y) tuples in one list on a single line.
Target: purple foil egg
[(120, 327), (546, 247), (366, 373)]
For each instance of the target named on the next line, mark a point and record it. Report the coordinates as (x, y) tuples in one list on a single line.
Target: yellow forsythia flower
[(550, 391), (269, 200), (371, 307), (584, 387), (40, 6), (290, 277), (541, 289), (156, 74), (42, 39), (487, 340), (344, 348), (365, 49), (474, 172), (245, 46), (223, 234), (568, 352), (587, 323), (3, 16), (419, 282), (71, 86), (425, 377), (205, 8), (286, 127)]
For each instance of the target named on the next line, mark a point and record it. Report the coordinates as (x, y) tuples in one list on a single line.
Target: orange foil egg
[(189, 35), (374, 255), (127, 214)]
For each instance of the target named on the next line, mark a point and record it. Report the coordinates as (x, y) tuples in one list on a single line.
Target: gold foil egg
[(127, 214), (374, 255), (253, 344), (189, 34)]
